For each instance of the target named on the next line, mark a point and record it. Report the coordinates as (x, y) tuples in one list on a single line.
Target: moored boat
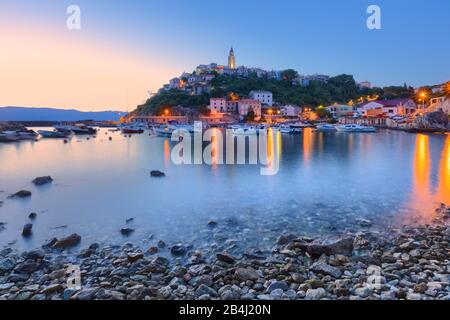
[(54, 134), (325, 127), (8, 137), (165, 130), (78, 129), (132, 130), (355, 128)]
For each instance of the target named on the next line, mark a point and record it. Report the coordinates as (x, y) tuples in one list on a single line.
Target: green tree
[(289, 75)]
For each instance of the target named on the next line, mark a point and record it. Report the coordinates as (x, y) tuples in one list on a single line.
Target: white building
[(340, 110), (388, 107), (265, 97), (439, 103), (247, 105), (291, 111), (218, 105)]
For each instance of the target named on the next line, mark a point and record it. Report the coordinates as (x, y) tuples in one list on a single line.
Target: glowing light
[(307, 144), (444, 174)]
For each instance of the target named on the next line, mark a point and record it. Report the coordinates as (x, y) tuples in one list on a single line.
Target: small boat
[(8, 137), (355, 128), (285, 129), (27, 134), (243, 130), (325, 127), (132, 130), (54, 134), (78, 129), (164, 131)]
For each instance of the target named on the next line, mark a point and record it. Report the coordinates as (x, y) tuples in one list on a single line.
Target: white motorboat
[(8, 136), (355, 128), (285, 129), (54, 134), (243, 130), (78, 129), (325, 127), (165, 130), (24, 134)]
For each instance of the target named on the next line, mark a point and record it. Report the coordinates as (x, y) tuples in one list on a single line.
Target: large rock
[(21, 194), (40, 181), (27, 230), (157, 174), (225, 257), (70, 241), (323, 268), (126, 231), (432, 121), (331, 247), (178, 250), (205, 290), (244, 274), (315, 294)]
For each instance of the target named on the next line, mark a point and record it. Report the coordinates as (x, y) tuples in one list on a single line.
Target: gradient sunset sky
[(128, 47)]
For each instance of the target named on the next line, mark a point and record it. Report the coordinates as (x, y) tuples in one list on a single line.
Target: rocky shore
[(410, 263)]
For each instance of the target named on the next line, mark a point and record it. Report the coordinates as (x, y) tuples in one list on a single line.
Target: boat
[(165, 130), (301, 125), (27, 134), (8, 137), (23, 134), (132, 130), (54, 134), (243, 130), (355, 128), (285, 129), (78, 129), (325, 127)]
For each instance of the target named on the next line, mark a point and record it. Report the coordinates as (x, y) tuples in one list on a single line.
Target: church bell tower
[(231, 59)]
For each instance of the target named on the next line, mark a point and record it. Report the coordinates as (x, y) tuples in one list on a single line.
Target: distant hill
[(51, 114)]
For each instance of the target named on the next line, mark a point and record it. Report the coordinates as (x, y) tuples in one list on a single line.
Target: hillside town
[(262, 106)]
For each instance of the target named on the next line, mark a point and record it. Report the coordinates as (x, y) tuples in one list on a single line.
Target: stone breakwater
[(410, 263)]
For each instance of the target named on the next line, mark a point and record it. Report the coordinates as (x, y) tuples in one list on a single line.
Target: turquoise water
[(325, 182)]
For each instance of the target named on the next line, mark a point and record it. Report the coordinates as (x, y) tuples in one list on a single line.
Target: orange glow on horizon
[(44, 68)]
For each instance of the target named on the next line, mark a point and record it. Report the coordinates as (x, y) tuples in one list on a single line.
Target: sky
[(125, 48)]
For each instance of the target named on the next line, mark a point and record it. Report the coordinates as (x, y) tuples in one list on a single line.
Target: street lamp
[(423, 95)]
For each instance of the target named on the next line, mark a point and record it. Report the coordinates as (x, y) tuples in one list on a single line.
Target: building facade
[(218, 105), (341, 110), (388, 107), (247, 105), (265, 97)]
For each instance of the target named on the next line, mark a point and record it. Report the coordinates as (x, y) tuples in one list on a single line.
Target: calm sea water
[(325, 182)]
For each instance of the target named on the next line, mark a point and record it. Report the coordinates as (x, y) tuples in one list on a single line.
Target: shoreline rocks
[(157, 174), (410, 263), (21, 194), (40, 181)]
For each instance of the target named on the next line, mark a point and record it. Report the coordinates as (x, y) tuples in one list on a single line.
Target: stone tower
[(231, 59)]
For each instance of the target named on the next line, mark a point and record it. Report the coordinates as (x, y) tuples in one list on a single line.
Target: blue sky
[(325, 36)]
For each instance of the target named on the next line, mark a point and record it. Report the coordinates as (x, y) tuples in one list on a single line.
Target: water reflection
[(376, 175), (444, 173), (308, 144), (425, 198), (166, 153)]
